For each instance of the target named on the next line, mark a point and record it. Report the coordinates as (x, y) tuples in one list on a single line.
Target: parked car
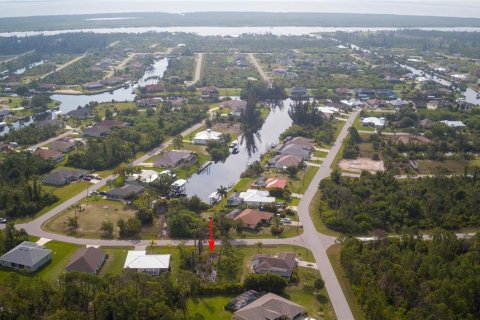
[(3, 220), (87, 179)]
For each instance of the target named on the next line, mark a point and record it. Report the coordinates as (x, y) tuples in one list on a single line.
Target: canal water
[(72, 102), (228, 172)]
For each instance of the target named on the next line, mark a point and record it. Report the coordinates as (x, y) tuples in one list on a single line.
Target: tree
[(276, 228), (72, 224), (222, 191), (292, 171), (107, 229), (267, 282), (178, 141), (239, 226), (318, 285)]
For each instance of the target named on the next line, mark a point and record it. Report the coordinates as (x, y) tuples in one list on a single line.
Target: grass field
[(334, 257), (90, 218), (61, 255), (317, 220), (447, 166), (265, 233), (301, 182), (116, 259)]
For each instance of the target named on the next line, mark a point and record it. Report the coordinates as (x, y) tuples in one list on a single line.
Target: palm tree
[(259, 246), (222, 191)]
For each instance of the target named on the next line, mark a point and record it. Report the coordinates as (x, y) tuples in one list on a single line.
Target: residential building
[(53, 123), (269, 183), (305, 143), (203, 137), (283, 161), (271, 307), (96, 131), (62, 177), (237, 107), (328, 111), (281, 265), (373, 122), (256, 198), (88, 260), (453, 124), (63, 146), (295, 150), (92, 85), (298, 92), (27, 256), (81, 113), (175, 158), (152, 264), (143, 178), (148, 102), (252, 218), (125, 192), (209, 92), (234, 200), (50, 155)]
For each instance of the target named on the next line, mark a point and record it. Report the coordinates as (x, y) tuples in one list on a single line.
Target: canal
[(227, 173)]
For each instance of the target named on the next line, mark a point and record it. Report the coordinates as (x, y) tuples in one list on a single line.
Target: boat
[(234, 144)]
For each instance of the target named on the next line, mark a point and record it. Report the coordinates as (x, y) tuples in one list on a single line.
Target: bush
[(265, 283)]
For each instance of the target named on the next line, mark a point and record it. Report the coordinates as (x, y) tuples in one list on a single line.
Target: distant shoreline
[(229, 19)]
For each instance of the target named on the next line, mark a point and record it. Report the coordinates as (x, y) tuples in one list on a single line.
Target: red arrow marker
[(211, 242)]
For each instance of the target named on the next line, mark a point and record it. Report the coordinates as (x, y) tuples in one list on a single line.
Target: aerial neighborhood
[(173, 175)]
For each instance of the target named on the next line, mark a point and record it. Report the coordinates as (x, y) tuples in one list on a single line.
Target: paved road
[(198, 69), (319, 243), (260, 70), (43, 143)]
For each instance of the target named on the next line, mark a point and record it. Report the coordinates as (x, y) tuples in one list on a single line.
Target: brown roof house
[(283, 161), (209, 92), (270, 307), (282, 265), (252, 218), (47, 154), (62, 146), (175, 158), (88, 260)]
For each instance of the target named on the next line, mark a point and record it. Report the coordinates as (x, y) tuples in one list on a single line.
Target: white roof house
[(149, 263), (352, 103), (145, 176), (203, 137), (254, 197), (328, 110), (454, 124), (373, 121)]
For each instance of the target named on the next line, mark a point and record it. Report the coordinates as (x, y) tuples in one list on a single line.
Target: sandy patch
[(68, 91), (361, 164)]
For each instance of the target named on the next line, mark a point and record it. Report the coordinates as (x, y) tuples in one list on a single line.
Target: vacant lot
[(361, 164)]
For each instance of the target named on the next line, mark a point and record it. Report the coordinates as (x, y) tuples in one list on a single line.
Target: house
[(295, 150), (96, 131), (5, 113), (27, 256), (242, 300), (88, 260), (81, 113), (62, 177), (305, 143), (328, 111), (234, 213), (176, 103), (151, 264), (47, 87), (92, 85), (237, 106), (209, 92), (398, 103), (148, 102), (252, 218), (175, 158), (275, 183), (365, 94), (111, 81), (283, 161), (426, 123), (256, 198), (143, 178), (282, 265), (203, 137), (62, 146), (453, 124), (234, 200), (53, 123), (50, 155), (111, 123), (151, 88), (271, 307), (298, 92), (4, 146), (373, 122), (125, 192)]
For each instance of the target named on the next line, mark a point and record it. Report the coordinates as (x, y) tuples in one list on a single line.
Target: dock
[(204, 166)]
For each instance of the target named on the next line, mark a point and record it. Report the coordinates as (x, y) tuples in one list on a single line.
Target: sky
[(454, 8)]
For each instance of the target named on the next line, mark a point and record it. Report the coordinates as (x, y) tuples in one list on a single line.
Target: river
[(228, 172)]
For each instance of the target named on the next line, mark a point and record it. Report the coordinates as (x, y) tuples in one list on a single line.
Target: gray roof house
[(125, 192), (61, 177), (26, 256), (271, 307), (81, 113), (88, 260), (62, 146), (283, 161), (295, 150), (173, 159), (282, 265)]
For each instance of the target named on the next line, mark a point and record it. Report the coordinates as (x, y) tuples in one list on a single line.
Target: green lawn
[(212, 307), (265, 233), (61, 255), (301, 182), (320, 154), (334, 257), (229, 91), (116, 259)]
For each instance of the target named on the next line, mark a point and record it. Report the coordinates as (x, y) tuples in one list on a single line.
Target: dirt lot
[(361, 164), (233, 129)]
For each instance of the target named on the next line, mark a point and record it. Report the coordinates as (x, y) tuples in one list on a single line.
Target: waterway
[(72, 102), (226, 31), (228, 172)]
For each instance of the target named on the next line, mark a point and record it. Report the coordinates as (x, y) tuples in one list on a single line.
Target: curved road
[(318, 243)]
